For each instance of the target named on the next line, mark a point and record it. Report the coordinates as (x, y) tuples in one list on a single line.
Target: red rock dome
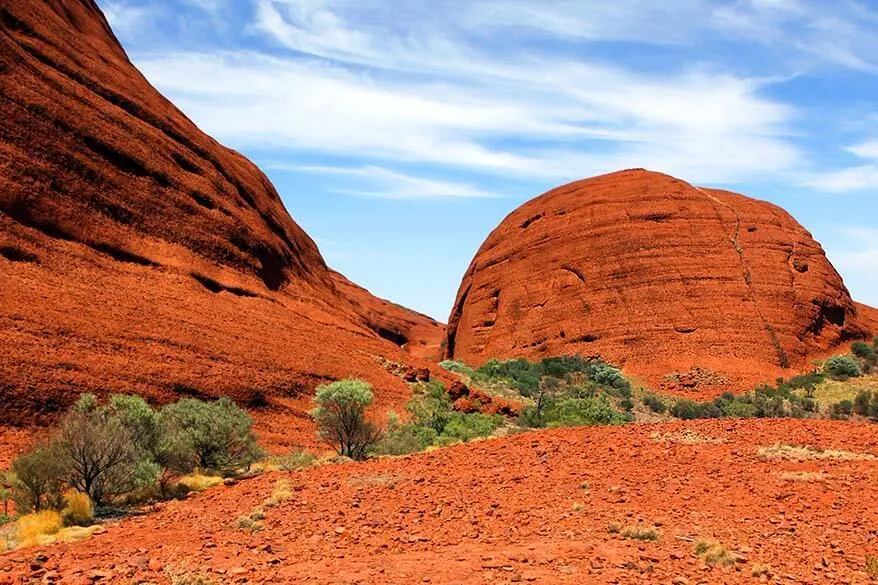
[(137, 254), (658, 276)]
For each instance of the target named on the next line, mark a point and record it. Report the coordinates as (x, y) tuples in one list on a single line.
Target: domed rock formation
[(137, 254), (658, 276)]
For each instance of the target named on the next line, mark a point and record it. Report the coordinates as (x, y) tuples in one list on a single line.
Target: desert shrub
[(431, 406), (654, 403), (863, 402), (712, 552), (207, 435), (38, 483), (842, 367), (341, 420), (457, 367), (841, 410), (465, 427), (864, 351), (405, 439), (607, 375), (295, 460), (686, 409), (78, 509), (739, 409), (571, 412), (7, 480)]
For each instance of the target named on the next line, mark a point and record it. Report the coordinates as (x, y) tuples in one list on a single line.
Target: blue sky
[(401, 132)]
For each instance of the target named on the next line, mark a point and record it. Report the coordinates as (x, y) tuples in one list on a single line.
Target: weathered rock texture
[(417, 334), (656, 275), (139, 255)]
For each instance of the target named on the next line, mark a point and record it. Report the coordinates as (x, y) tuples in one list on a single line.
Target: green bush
[(686, 409), (214, 435), (864, 351), (841, 410), (340, 415), (405, 439), (457, 367), (654, 403), (863, 402), (571, 412), (430, 406), (465, 427), (739, 409), (842, 367), (100, 455)]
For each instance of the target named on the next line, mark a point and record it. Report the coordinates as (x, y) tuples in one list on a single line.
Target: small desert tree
[(341, 417), (208, 435), (100, 453), (36, 481)]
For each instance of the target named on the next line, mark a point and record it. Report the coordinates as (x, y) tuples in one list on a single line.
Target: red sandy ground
[(508, 513), (658, 276)]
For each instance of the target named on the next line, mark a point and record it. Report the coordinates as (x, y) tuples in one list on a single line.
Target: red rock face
[(139, 255), (415, 333), (656, 275)]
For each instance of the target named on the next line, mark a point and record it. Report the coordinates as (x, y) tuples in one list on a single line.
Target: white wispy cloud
[(862, 177), (373, 181)]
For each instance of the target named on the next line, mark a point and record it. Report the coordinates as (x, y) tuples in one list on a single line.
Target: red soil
[(515, 510), (658, 276), (139, 255)]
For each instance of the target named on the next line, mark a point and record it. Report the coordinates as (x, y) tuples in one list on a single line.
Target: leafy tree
[(340, 415), (207, 435)]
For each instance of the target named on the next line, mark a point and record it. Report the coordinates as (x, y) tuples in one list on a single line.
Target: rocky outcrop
[(137, 254), (656, 275)]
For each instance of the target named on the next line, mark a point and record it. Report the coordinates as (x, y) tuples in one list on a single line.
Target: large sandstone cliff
[(658, 276)]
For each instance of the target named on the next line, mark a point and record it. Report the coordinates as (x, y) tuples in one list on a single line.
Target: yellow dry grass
[(198, 482), (806, 453), (806, 476), (37, 528), (686, 437), (78, 509), (712, 553)]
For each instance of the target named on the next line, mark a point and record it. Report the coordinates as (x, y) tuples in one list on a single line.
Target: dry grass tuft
[(686, 437), (37, 529), (282, 492), (198, 482), (761, 570), (642, 533), (186, 577), (78, 509), (713, 553), (806, 476), (614, 527), (872, 565), (387, 479), (806, 453)]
